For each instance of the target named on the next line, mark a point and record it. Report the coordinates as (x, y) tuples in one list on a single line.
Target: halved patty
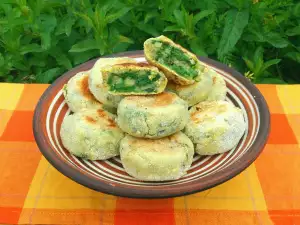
[(157, 160), (152, 116), (194, 93), (77, 93), (137, 79), (177, 63), (91, 134), (97, 85)]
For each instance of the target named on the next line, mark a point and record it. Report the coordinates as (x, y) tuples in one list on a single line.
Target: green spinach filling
[(143, 81), (175, 59)]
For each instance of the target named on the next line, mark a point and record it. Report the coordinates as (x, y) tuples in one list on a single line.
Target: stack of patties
[(90, 130), (153, 149), (154, 131)]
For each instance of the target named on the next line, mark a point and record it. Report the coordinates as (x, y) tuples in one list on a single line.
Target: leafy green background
[(41, 39)]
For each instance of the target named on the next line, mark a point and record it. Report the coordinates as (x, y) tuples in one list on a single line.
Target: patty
[(177, 63), (219, 89), (215, 127), (91, 134), (96, 85), (77, 94), (162, 159), (132, 78), (152, 116), (194, 93)]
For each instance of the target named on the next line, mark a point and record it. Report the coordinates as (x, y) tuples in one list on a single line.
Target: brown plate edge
[(216, 179)]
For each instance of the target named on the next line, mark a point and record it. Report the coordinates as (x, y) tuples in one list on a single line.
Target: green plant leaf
[(64, 61), (249, 63), (197, 48), (293, 31), (179, 17), (86, 20), (49, 75), (112, 17), (46, 40), (19, 65), (124, 39), (233, 3), (148, 29), (173, 28), (269, 63), (296, 9), (294, 56), (276, 40), (2, 61), (258, 59), (80, 57), (37, 61), (61, 58), (30, 48), (65, 26), (150, 15), (199, 16), (235, 23), (47, 22), (102, 46), (84, 45)]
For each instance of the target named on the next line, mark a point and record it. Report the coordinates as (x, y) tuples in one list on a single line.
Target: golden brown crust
[(137, 66), (170, 74), (90, 120), (214, 80), (101, 113), (134, 65), (168, 40), (110, 122), (163, 99), (84, 88)]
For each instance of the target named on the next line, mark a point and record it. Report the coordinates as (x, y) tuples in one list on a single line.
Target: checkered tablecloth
[(33, 192)]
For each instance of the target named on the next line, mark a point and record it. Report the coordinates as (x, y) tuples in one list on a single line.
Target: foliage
[(41, 39)]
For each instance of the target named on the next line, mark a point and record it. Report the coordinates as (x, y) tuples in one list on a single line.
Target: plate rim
[(215, 179)]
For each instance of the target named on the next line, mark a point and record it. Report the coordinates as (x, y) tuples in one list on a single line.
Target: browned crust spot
[(111, 122), (214, 80), (213, 106), (90, 119), (164, 99), (84, 88), (193, 114), (103, 114), (194, 117), (196, 120)]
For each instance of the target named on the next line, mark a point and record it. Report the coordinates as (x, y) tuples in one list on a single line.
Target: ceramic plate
[(110, 177)]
